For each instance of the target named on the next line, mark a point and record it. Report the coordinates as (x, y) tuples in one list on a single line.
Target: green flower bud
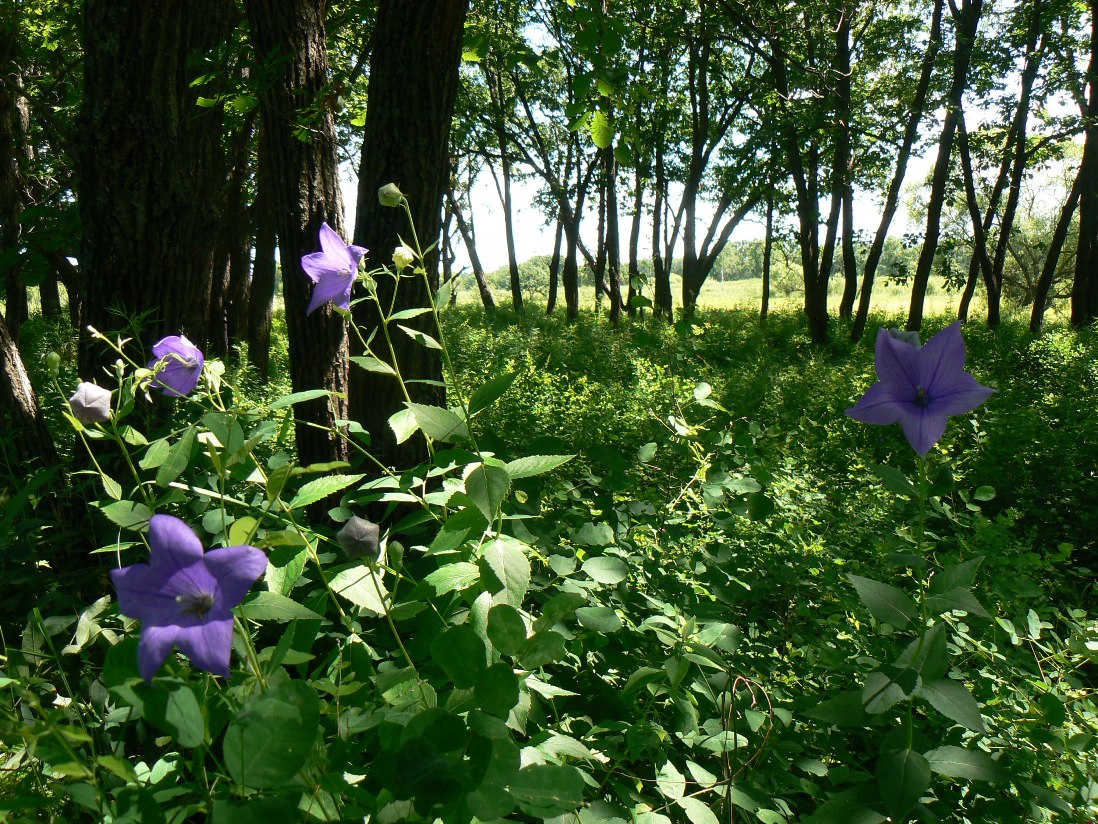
[(359, 539), (53, 363), (390, 195), (403, 256)]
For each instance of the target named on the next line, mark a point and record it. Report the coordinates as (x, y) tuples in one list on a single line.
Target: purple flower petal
[(209, 646), (153, 650), (878, 405), (174, 544), (333, 288), (334, 247), (138, 588), (178, 366), (923, 429), (316, 265), (236, 568)]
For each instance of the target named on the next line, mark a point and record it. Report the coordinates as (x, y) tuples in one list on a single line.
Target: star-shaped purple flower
[(177, 364), (90, 403), (920, 387), (184, 597), (333, 270)]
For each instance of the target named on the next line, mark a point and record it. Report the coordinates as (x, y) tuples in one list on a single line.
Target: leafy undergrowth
[(733, 603)]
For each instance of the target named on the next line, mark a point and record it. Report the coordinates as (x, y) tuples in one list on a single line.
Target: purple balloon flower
[(185, 597), (919, 387), (178, 365), (90, 403), (333, 270)]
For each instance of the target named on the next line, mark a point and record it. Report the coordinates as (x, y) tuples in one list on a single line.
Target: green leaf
[(646, 452), (156, 454), (844, 710), (363, 587), (372, 364), (497, 690), (670, 782), (321, 488), (535, 465), (437, 423), (270, 738), (602, 130), (696, 810), (301, 397), (509, 566), (854, 806), (606, 569), (506, 629), (589, 534), (128, 515), (903, 776), (895, 481), (405, 314), (169, 705), (927, 654), (490, 392), (461, 654), (958, 598), (403, 424), (984, 493), (422, 338), (453, 577), (487, 486), (547, 790), (543, 648), (957, 762), (954, 701), (253, 810), (272, 606), (599, 619), (887, 603), (958, 576), (886, 687), (111, 486)]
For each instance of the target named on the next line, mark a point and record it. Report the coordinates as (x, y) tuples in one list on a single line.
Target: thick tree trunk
[(406, 142), (261, 292), (967, 20), (13, 129), (151, 170), (289, 39), (20, 414), (892, 198), (1084, 290)]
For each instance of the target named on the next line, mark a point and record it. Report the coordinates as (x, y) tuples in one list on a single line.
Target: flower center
[(198, 605), (921, 398)]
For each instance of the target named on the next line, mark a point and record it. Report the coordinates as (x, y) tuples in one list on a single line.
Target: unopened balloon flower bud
[(53, 363), (389, 195), (359, 538), (90, 403), (403, 256)]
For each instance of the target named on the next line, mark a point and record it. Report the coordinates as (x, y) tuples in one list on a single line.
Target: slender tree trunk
[(1052, 257), (768, 245), (892, 198), (967, 19), (262, 289), (20, 412), (634, 244), (1084, 290), (613, 242), (289, 39), (471, 247), (661, 268), (554, 268), (850, 257), (13, 130), (570, 274), (599, 271), (406, 141), (237, 237), (151, 170), (980, 259)]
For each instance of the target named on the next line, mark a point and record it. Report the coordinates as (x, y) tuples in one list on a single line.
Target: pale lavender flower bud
[(359, 538), (90, 403), (390, 195), (403, 256)]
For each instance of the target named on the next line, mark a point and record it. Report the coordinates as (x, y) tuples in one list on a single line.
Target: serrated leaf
[(928, 654), (954, 701), (490, 392), (602, 130), (532, 465), (895, 481), (405, 314), (372, 364), (884, 601), (453, 577), (507, 562), (363, 587), (403, 424), (422, 338), (957, 576), (321, 488), (272, 606), (903, 776), (128, 515), (487, 487), (670, 782), (300, 397), (437, 423), (178, 459), (957, 762)]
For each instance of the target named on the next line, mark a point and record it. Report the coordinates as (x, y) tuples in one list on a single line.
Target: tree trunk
[(151, 170), (634, 244), (1052, 257), (967, 20), (13, 130), (471, 247), (289, 39), (406, 142), (554, 268), (892, 198), (661, 268), (1084, 290), (613, 242), (768, 245), (20, 413), (229, 306), (262, 289), (980, 259)]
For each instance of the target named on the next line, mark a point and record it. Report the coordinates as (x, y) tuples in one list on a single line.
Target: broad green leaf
[(506, 629), (887, 603), (600, 534), (670, 782), (405, 314), (497, 690), (363, 587), (606, 569), (437, 423), (321, 488), (543, 648), (487, 486), (284, 569), (958, 598), (301, 397), (984, 493), (272, 606), (372, 364), (169, 705), (903, 776), (646, 452), (111, 486), (954, 701), (599, 619), (887, 686), (461, 654), (927, 654), (453, 577), (547, 790), (508, 564), (957, 762), (403, 424), (895, 481), (535, 465), (253, 810), (697, 811), (602, 130), (960, 575), (844, 710), (156, 454), (128, 515), (271, 736), (859, 805), (422, 338), (490, 392)]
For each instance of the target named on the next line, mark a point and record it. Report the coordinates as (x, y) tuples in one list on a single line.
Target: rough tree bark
[(406, 142), (1084, 290), (289, 38)]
